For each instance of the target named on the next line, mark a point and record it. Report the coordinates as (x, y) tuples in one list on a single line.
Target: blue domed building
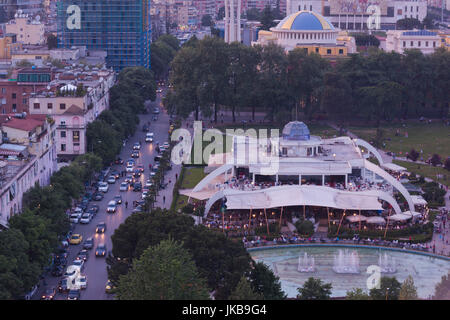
[(307, 30)]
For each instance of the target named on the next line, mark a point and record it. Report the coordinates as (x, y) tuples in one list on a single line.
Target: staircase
[(322, 229)]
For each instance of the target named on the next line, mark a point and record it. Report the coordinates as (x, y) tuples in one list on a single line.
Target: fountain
[(306, 264), (387, 263), (346, 262)]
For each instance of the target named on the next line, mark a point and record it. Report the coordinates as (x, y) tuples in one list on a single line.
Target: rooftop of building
[(29, 123), (305, 20)]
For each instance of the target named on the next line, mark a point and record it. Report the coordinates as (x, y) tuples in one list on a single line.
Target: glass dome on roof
[(296, 130)]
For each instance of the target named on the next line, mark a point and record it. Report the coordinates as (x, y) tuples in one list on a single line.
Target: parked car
[(101, 227), (139, 208), (155, 118), (103, 186), (74, 294), (57, 271), (118, 161), (124, 186), (76, 239), (156, 110), (144, 195), (99, 196), (75, 217), (101, 250), (88, 243), (145, 128), (148, 183), (116, 174), (109, 287), (137, 186), (111, 207), (79, 263), (94, 209)]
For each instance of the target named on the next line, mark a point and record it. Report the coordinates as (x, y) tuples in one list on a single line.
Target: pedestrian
[(164, 199), (176, 176), (170, 181), (126, 204)]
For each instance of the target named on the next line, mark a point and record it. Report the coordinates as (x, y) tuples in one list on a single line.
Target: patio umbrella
[(356, 218), (400, 217)]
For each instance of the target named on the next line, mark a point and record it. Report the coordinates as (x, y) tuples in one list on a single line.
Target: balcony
[(73, 127)]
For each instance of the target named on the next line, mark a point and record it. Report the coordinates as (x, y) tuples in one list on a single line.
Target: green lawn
[(426, 171), (431, 138), (192, 176)]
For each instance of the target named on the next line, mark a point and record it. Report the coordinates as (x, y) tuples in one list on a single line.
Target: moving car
[(62, 285), (86, 218), (136, 146), (111, 207), (149, 137), (101, 227), (49, 293), (116, 174), (129, 168), (101, 250), (118, 161), (166, 145), (111, 180), (145, 128), (103, 186), (83, 255), (109, 287), (156, 110), (74, 294), (139, 208), (129, 178), (88, 243), (140, 168), (155, 118), (135, 154), (75, 239), (124, 186), (79, 263), (82, 282), (136, 173), (118, 199), (137, 186), (148, 183), (144, 195)]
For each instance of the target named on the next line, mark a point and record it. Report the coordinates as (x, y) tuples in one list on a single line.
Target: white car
[(79, 263), (149, 137), (75, 217), (166, 145), (144, 195), (130, 168), (103, 187), (124, 186), (137, 146), (111, 207), (111, 179), (82, 282), (148, 183), (86, 218)]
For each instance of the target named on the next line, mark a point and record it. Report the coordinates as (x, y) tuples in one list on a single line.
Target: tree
[(221, 13), (305, 227), (389, 289), (244, 291), (357, 294), (207, 21), (265, 283), (435, 160), (442, 289), (314, 289), (413, 155), (267, 18), (408, 24), (52, 41), (447, 164), (408, 290), (253, 14), (163, 272)]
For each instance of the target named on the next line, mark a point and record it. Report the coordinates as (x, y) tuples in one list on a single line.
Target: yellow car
[(109, 287), (76, 239)]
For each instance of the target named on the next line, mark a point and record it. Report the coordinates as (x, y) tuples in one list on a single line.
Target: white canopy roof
[(393, 167), (356, 218), (414, 213), (400, 217), (419, 200), (376, 220), (283, 196)]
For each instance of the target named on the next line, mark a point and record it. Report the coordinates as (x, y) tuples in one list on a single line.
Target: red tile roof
[(28, 124)]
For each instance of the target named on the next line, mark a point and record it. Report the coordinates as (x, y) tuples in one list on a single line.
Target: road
[(95, 267)]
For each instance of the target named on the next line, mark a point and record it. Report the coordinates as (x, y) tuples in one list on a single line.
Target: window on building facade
[(13, 95), (404, 43), (62, 106), (49, 105), (426, 43), (63, 147), (14, 107), (418, 44), (3, 90), (36, 105), (63, 134), (76, 136), (24, 100), (341, 51), (328, 51)]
